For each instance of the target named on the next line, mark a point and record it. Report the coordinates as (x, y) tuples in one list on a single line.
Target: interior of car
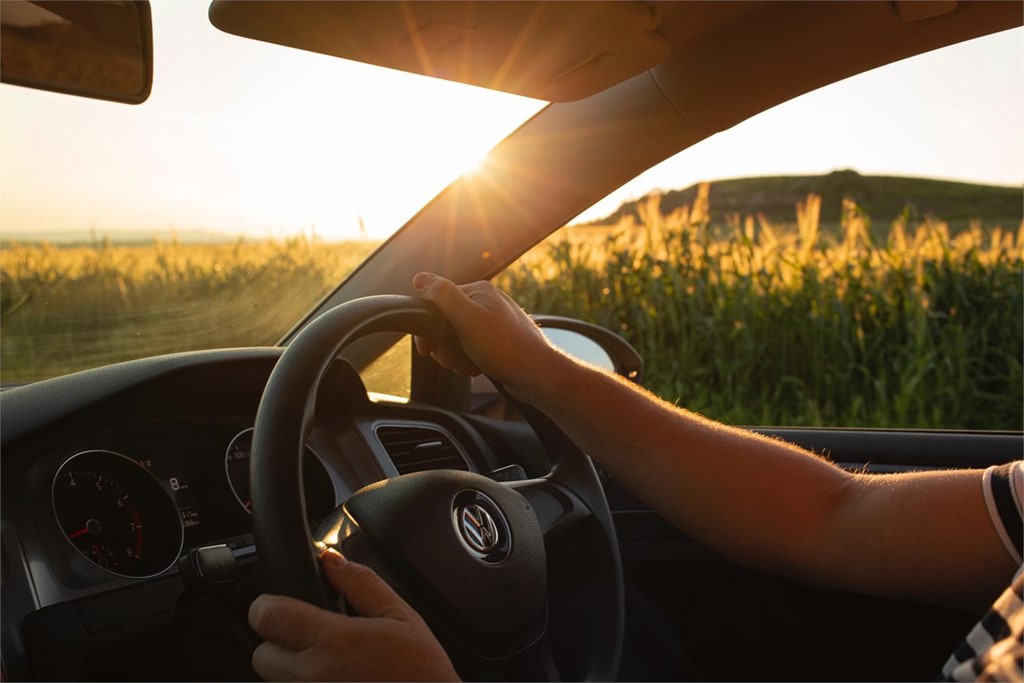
[(145, 503)]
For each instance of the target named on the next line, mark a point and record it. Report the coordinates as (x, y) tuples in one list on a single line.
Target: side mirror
[(588, 342), (593, 344), (92, 48)]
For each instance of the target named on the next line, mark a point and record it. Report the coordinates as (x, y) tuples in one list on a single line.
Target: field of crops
[(67, 309), (748, 322), (752, 323)]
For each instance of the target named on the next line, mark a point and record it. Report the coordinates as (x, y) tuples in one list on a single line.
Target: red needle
[(80, 532)]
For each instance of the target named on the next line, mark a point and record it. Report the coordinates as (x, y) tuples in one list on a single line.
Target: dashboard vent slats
[(417, 449)]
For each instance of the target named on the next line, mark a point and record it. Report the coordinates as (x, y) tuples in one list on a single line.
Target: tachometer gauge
[(316, 482), (116, 514)]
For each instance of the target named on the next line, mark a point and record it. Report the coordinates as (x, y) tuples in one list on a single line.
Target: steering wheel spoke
[(557, 508)]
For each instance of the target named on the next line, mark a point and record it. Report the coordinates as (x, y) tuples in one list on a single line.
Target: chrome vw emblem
[(478, 528), (481, 527)]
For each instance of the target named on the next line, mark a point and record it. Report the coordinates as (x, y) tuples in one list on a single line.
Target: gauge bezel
[(231, 484), (156, 481)]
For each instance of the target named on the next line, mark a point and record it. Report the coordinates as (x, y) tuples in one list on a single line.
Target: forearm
[(763, 502), (776, 507)]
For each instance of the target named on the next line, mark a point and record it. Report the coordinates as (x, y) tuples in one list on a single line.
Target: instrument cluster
[(142, 496)]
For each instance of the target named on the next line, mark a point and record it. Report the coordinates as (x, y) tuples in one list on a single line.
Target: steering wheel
[(519, 581)]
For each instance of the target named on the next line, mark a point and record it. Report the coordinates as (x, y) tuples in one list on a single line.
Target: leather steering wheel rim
[(284, 540)]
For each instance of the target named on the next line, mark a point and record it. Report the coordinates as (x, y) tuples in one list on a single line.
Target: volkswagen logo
[(478, 528), (481, 526)]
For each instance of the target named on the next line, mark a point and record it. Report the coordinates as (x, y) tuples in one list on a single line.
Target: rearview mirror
[(92, 48)]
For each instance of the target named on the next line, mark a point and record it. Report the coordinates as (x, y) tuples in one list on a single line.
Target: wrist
[(543, 377)]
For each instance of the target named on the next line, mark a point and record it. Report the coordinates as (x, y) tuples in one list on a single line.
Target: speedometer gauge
[(316, 482), (116, 514)]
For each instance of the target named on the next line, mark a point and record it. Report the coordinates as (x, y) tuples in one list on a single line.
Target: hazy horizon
[(199, 235)]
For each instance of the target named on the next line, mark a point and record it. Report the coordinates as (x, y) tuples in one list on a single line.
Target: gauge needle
[(91, 527)]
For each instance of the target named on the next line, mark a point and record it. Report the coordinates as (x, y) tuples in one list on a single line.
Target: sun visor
[(919, 10), (555, 51)]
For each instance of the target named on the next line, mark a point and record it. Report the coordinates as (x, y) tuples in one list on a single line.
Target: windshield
[(215, 214)]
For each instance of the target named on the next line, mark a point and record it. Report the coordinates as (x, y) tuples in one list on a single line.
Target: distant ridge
[(884, 198)]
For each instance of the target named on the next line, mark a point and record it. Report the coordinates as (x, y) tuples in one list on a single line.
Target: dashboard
[(141, 495), (110, 477), (166, 440)]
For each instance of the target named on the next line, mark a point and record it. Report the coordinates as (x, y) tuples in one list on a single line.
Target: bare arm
[(776, 507), (762, 502)]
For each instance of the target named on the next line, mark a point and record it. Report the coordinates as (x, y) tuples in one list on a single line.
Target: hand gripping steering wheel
[(518, 581)]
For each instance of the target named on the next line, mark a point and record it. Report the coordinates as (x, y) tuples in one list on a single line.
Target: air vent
[(417, 449)]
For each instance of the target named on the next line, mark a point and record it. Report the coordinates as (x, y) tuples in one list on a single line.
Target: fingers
[(423, 345), (292, 623), (276, 663), (454, 360), (388, 641), (494, 334), (456, 303), (298, 625), (363, 589), (446, 295)]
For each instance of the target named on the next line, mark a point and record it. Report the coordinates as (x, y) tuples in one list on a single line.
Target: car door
[(693, 613)]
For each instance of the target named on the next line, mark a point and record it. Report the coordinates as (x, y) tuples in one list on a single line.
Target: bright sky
[(244, 137), (952, 114)]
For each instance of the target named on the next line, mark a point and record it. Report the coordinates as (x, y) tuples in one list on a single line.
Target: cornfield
[(68, 309), (748, 322), (752, 323)]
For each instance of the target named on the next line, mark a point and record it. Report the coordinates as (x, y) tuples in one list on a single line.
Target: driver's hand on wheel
[(499, 338), (388, 642)]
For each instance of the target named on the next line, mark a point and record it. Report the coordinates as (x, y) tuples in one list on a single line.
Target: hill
[(883, 198)]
